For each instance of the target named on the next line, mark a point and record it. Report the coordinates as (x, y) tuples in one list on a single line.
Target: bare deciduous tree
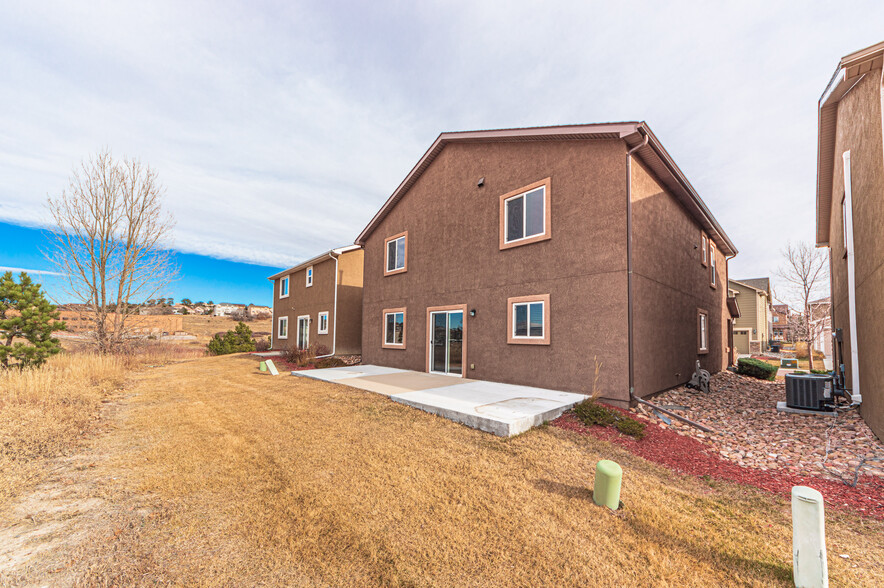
[(806, 273), (111, 240)]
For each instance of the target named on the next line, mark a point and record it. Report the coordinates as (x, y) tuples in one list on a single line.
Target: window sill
[(392, 346), (394, 272), (517, 341), (702, 352)]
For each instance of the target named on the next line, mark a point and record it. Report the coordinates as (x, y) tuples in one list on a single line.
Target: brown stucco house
[(320, 302), (850, 220), (527, 256)]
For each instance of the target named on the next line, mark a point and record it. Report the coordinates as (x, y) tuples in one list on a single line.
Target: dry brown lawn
[(205, 327), (216, 474)]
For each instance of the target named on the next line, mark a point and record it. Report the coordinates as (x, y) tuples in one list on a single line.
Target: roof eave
[(321, 257)]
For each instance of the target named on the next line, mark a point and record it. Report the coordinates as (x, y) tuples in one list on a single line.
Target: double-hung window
[(322, 329), (284, 287), (702, 331), (282, 331), (396, 254), (525, 215), (712, 272), (528, 320), (394, 328), (704, 245), (309, 276)]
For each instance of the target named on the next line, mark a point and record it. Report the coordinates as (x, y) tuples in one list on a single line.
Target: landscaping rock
[(751, 432)]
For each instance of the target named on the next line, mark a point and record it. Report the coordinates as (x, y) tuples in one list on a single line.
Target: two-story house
[(320, 302), (752, 329), (529, 256), (850, 220)]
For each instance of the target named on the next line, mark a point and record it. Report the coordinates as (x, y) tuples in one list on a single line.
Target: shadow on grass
[(566, 490)]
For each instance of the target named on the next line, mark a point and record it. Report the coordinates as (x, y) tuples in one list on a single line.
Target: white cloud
[(279, 129), (18, 270)]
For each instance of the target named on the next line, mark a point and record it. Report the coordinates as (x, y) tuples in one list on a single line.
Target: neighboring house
[(528, 256), (228, 309), (850, 220), (320, 302), (781, 323), (820, 311), (752, 330), (255, 312)]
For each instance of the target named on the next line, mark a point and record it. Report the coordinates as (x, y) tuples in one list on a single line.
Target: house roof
[(849, 72), (318, 258), (652, 155), (760, 284)]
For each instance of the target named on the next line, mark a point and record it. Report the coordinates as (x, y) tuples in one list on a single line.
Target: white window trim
[(308, 276), (319, 329), (282, 319), (712, 266), (542, 321), (506, 239), (703, 343), (285, 281), (705, 245), (386, 314), (387, 255)]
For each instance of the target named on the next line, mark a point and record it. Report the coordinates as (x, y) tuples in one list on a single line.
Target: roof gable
[(652, 154)]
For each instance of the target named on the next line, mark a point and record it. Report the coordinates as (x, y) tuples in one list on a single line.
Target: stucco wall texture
[(321, 298), (859, 130), (454, 257)]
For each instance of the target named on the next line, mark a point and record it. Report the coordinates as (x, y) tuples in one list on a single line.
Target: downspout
[(629, 286), (855, 393), (335, 327)]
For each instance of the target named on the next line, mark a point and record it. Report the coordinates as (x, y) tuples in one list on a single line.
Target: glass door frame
[(306, 319), (429, 339)]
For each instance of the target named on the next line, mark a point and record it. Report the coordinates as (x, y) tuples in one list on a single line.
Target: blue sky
[(202, 278), (279, 128)]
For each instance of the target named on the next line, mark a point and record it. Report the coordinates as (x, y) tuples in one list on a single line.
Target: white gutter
[(335, 327), (855, 392)]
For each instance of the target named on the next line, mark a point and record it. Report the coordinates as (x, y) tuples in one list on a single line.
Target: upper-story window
[(712, 272), (396, 254), (284, 287), (309, 276), (525, 215), (704, 245)]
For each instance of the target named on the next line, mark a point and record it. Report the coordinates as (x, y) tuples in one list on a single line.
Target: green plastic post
[(263, 366), (608, 478)]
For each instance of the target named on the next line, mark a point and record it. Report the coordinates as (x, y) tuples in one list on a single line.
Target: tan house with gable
[(319, 302), (526, 256), (752, 329), (850, 220)]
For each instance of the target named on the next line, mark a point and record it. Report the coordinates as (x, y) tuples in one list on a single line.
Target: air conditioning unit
[(808, 391)]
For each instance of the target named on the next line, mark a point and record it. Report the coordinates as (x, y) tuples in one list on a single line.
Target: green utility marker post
[(608, 478), (263, 366)]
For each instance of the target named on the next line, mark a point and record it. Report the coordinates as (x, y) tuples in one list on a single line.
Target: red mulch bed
[(686, 455)]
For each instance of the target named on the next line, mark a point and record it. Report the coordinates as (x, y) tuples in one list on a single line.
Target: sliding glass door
[(446, 343)]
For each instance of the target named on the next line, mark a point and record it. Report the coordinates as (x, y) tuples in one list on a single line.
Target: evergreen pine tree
[(27, 321)]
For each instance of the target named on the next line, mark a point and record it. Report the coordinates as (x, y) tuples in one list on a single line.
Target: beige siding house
[(752, 328)]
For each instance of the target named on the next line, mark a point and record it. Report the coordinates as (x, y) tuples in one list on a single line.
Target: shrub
[(631, 427), (801, 351), (262, 344), (236, 341), (756, 368), (820, 372), (592, 413), (306, 357), (330, 362)]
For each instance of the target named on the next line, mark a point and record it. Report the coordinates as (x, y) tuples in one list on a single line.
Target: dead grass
[(204, 327), (238, 478), (48, 412)]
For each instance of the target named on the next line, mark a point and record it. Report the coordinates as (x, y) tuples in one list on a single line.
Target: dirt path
[(42, 532)]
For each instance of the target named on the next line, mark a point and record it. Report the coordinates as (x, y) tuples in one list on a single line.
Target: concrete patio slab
[(502, 409), (355, 371), (399, 383)]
